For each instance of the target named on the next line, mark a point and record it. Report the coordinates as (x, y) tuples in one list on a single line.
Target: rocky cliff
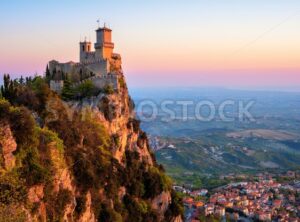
[(78, 160)]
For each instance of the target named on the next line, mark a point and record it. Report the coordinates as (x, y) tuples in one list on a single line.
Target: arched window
[(82, 47), (89, 47)]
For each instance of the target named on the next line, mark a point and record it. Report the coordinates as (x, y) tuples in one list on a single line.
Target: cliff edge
[(83, 159)]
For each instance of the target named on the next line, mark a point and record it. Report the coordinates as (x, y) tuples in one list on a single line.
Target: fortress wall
[(101, 82), (88, 57), (99, 68), (62, 67), (66, 67), (56, 86)]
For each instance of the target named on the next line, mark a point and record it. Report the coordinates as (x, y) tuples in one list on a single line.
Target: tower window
[(89, 47), (82, 47)]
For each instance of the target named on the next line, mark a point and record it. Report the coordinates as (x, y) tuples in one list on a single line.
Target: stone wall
[(97, 66), (111, 79), (56, 85), (103, 80)]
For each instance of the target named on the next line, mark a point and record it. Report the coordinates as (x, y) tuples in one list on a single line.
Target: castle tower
[(104, 47), (85, 48)]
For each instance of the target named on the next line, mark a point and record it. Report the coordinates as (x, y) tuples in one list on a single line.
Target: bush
[(12, 189), (108, 89), (56, 204), (32, 170), (139, 210), (12, 213), (155, 183), (80, 205), (122, 82), (48, 136), (21, 122), (107, 214), (63, 198), (86, 89), (116, 140), (175, 208), (4, 110)]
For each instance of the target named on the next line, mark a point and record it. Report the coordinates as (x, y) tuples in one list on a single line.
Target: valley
[(196, 152)]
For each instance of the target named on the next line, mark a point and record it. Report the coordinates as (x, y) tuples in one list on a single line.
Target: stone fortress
[(102, 66)]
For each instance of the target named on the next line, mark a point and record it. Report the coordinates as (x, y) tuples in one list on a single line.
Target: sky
[(226, 43)]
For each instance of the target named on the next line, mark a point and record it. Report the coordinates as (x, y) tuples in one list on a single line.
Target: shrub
[(12, 189), (86, 89), (175, 207), (122, 82), (4, 110), (49, 136), (82, 169), (80, 205), (108, 89), (56, 204), (12, 213), (63, 198), (116, 140), (107, 214), (139, 210), (23, 126), (21, 122), (155, 183), (32, 170)]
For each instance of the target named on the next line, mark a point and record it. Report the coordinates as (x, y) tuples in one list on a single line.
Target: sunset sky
[(231, 43)]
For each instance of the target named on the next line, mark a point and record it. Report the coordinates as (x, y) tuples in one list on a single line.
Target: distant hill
[(214, 148)]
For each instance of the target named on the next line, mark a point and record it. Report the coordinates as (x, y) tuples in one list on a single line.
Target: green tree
[(67, 91), (8, 90), (48, 75), (86, 89), (108, 89), (21, 80)]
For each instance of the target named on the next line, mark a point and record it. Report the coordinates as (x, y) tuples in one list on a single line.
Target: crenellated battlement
[(102, 80)]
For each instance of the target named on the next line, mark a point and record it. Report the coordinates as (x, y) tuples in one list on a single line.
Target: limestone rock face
[(161, 202), (116, 113), (88, 215), (7, 146), (177, 219), (36, 193)]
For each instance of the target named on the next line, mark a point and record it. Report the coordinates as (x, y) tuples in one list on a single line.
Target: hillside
[(77, 160), (195, 152)]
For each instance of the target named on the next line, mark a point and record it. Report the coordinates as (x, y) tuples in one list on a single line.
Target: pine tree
[(9, 88), (67, 92), (81, 74), (21, 81), (48, 75)]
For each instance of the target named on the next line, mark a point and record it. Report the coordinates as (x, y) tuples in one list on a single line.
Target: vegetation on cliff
[(50, 142)]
